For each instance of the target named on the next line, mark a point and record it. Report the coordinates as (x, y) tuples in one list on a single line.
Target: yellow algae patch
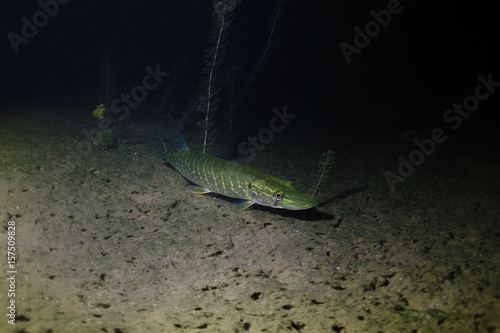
[(99, 112)]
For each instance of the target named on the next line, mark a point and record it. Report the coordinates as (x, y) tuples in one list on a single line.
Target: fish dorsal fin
[(177, 139)]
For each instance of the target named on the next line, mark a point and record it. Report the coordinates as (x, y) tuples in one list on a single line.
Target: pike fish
[(248, 185)]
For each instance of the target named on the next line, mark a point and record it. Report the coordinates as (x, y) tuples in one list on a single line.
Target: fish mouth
[(311, 205), (305, 206), (306, 202)]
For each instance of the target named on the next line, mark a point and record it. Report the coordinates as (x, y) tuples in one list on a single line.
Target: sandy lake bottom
[(115, 243)]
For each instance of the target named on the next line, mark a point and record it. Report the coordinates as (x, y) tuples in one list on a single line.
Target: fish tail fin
[(176, 137), (166, 151)]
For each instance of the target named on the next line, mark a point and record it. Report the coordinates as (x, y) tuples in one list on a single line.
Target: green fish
[(250, 186)]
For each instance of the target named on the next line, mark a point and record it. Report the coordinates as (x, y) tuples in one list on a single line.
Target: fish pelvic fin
[(241, 204), (195, 189)]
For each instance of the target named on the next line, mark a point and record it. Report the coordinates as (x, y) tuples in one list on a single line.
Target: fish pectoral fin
[(241, 204), (195, 189)]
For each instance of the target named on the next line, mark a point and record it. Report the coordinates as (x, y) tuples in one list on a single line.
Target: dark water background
[(427, 58)]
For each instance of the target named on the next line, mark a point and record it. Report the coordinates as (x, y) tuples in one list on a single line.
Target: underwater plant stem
[(210, 78), (325, 165), (230, 110), (263, 56)]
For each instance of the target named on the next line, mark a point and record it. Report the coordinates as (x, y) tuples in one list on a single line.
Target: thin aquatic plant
[(325, 166), (222, 17)]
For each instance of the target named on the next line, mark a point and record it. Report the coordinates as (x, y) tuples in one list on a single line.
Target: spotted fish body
[(251, 186)]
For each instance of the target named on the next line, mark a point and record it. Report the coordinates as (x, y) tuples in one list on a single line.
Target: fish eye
[(278, 195)]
